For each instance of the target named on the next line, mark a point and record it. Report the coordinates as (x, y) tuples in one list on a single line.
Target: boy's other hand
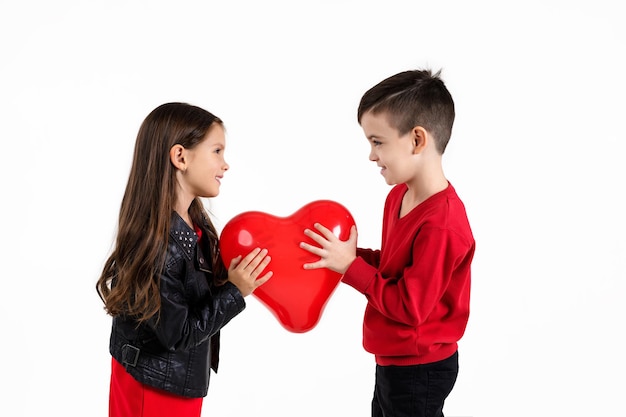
[(335, 254)]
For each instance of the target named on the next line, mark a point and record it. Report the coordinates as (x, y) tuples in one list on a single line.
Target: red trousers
[(130, 398)]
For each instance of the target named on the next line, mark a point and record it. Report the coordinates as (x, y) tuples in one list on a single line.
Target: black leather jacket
[(177, 353)]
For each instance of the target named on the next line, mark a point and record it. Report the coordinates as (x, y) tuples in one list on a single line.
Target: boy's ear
[(177, 157), (419, 137)]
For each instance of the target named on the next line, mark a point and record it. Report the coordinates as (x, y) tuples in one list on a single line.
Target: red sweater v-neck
[(418, 284)]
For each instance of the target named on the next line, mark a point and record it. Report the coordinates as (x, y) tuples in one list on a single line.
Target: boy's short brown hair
[(413, 98)]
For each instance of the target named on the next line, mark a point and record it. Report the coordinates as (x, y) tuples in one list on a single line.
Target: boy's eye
[(376, 143)]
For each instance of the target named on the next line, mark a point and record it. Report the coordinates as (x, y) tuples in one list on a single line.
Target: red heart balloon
[(296, 296)]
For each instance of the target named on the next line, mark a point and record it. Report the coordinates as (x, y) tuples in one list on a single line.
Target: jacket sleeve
[(182, 325)]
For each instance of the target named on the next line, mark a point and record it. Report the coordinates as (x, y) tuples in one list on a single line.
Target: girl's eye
[(218, 151)]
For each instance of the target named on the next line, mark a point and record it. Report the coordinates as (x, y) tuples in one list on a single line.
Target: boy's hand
[(244, 272), (335, 254)]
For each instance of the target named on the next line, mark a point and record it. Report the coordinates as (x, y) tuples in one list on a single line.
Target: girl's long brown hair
[(129, 283)]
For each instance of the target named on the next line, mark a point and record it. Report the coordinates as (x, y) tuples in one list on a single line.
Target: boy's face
[(393, 153)]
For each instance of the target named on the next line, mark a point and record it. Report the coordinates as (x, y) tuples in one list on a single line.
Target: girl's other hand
[(244, 272)]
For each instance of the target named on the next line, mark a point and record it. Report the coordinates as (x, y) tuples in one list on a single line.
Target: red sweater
[(418, 284)]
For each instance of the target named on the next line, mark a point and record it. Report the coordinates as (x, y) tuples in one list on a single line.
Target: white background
[(536, 154)]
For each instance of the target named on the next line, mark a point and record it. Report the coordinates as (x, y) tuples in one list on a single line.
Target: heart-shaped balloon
[(295, 296)]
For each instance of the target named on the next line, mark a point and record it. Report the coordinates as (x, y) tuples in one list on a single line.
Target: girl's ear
[(177, 157), (419, 139)]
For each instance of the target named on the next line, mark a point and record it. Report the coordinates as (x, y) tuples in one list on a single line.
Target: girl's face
[(206, 165), (391, 152)]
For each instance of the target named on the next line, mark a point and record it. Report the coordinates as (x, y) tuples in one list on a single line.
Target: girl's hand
[(335, 254), (244, 272)]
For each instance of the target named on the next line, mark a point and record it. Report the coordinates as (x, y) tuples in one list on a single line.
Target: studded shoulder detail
[(184, 236)]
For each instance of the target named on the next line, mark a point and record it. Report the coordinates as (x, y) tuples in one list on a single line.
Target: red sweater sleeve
[(370, 256), (409, 298)]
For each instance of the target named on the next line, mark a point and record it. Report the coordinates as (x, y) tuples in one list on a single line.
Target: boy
[(418, 284)]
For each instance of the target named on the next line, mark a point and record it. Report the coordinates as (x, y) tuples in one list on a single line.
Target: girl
[(165, 284)]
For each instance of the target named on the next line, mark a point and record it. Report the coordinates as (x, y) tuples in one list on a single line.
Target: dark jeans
[(414, 391)]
